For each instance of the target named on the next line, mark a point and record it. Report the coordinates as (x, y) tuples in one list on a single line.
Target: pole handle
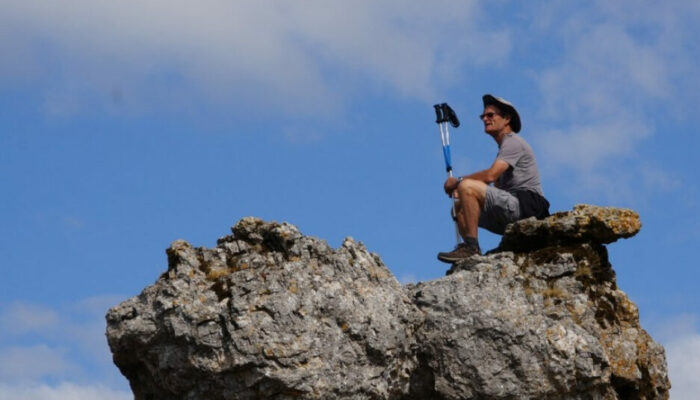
[(448, 114), (439, 117)]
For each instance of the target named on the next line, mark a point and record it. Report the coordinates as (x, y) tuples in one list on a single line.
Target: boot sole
[(452, 260)]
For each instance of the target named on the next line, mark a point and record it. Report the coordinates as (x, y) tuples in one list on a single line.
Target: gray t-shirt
[(523, 173)]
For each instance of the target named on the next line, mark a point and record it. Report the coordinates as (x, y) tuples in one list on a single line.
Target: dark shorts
[(500, 209)]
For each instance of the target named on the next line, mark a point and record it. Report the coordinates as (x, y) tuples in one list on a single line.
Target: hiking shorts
[(500, 209)]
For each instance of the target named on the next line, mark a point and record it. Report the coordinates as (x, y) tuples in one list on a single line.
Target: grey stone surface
[(550, 323), (585, 223), (268, 313), (272, 314)]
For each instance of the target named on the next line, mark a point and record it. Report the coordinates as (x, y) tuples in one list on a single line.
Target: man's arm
[(490, 175), (487, 176)]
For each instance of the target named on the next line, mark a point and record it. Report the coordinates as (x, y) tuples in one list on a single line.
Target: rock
[(550, 323), (586, 223), (270, 313)]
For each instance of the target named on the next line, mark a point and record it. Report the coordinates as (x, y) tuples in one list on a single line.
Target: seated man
[(516, 193)]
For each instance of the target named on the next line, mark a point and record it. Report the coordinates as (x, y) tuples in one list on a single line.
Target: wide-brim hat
[(505, 106)]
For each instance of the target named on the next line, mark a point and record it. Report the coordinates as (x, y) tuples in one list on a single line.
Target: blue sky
[(127, 125)]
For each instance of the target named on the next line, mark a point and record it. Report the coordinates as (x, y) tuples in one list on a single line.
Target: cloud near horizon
[(61, 391), (680, 337), (40, 344)]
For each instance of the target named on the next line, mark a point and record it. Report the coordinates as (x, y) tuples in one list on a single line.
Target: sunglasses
[(488, 115)]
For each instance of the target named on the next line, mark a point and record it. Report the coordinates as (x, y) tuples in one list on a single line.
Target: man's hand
[(451, 185)]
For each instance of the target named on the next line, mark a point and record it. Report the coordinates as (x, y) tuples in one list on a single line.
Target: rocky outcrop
[(585, 223), (272, 314)]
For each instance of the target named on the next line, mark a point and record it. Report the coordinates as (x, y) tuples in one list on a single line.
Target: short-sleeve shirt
[(523, 173)]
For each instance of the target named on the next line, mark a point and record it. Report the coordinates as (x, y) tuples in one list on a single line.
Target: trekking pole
[(445, 114)]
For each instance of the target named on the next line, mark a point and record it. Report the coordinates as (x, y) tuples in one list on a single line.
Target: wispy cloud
[(586, 146), (681, 339), (62, 391), (288, 55), (683, 355), (618, 73), (34, 362), (39, 344), (20, 318)]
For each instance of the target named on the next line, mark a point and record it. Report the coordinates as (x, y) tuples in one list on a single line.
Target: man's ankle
[(471, 241)]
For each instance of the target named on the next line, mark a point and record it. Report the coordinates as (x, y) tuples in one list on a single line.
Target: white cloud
[(604, 70), (618, 72), (292, 55), (19, 318), (62, 391), (97, 306), (586, 146), (66, 342), (89, 331), (80, 326), (91, 340), (681, 339), (33, 362)]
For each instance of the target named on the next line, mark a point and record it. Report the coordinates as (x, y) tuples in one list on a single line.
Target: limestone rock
[(550, 323), (272, 314), (586, 223), (267, 314)]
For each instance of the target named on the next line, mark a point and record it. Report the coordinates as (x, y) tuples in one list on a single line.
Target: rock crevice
[(270, 313)]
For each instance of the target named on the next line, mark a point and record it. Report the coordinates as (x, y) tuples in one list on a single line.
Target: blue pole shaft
[(448, 158)]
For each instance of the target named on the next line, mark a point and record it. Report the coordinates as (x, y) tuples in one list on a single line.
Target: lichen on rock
[(585, 223), (271, 313), (268, 313)]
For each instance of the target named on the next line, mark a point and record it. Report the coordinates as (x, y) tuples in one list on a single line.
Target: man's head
[(499, 115)]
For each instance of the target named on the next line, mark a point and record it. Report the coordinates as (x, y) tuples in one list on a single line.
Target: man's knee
[(472, 188)]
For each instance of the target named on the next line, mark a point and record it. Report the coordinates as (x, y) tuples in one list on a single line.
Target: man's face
[(494, 123)]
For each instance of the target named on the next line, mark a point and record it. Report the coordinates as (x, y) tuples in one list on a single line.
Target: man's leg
[(471, 194)]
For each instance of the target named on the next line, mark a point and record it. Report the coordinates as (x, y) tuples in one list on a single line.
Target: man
[(516, 193)]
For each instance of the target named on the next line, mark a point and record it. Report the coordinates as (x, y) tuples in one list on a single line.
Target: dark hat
[(506, 107)]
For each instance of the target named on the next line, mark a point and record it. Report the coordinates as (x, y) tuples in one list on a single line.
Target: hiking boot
[(461, 252)]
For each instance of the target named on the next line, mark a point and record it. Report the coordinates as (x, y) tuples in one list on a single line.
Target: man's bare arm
[(487, 176), (490, 175)]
